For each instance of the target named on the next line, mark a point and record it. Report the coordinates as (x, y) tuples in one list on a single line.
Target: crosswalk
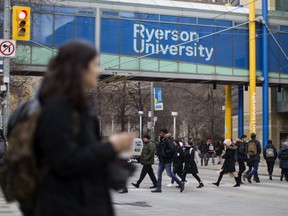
[(8, 209)]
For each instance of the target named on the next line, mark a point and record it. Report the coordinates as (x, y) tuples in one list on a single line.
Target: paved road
[(265, 198)]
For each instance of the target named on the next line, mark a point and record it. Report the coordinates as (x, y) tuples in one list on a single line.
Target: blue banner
[(158, 100)]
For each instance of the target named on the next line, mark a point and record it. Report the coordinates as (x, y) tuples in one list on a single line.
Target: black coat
[(229, 156), (270, 158), (190, 164), (166, 150), (76, 182)]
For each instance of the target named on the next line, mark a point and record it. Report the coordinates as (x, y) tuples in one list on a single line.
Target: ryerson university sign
[(154, 41)]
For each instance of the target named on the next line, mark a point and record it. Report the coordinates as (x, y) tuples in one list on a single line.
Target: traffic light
[(21, 23)]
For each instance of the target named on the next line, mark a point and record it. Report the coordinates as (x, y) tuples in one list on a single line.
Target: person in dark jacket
[(203, 148), (219, 150), (241, 155), (254, 159), (177, 161), (283, 157), (229, 163), (211, 152), (147, 159), (270, 155), (190, 164), (165, 153), (68, 145)]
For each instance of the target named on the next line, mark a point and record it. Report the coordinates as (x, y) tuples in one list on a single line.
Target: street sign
[(158, 99), (7, 48)]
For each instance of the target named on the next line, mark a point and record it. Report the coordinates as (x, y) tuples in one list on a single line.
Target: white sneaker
[(169, 185)]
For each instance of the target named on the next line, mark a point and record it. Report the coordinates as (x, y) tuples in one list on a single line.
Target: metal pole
[(152, 113), (252, 66), (228, 112), (129, 125), (174, 127), (265, 84), (112, 124), (240, 111), (140, 135), (6, 64)]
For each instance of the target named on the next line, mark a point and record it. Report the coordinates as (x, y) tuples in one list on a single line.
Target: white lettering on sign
[(142, 42)]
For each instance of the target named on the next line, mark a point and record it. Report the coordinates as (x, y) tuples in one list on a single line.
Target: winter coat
[(166, 149), (190, 164), (229, 156), (257, 156), (178, 158), (241, 150), (211, 149), (269, 159), (283, 163), (203, 148), (147, 154), (218, 149), (76, 182)]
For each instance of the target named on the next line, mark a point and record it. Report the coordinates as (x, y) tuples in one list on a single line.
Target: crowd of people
[(180, 158)]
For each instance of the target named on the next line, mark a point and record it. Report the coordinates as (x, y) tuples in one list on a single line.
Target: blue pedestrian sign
[(158, 100)]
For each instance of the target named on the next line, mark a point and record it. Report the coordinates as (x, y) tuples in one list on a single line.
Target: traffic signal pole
[(6, 66)]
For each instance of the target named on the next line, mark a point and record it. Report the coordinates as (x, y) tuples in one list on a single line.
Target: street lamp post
[(141, 116), (174, 114), (112, 124)]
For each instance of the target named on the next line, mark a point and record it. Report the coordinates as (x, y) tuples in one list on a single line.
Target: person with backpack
[(270, 155), (72, 160), (228, 166), (2, 147), (165, 152), (283, 157), (190, 164), (146, 160), (254, 151), (241, 155)]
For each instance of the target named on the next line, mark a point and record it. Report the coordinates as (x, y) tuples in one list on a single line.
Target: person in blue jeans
[(165, 152), (254, 151)]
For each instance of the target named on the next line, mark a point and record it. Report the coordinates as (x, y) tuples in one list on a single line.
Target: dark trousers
[(203, 158), (147, 169), (254, 171), (177, 170), (242, 168), (193, 174), (27, 211), (270, 167)]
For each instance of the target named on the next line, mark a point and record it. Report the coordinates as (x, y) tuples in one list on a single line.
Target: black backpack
[(284, 155)]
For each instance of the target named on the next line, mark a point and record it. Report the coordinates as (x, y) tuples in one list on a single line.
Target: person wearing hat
[(283, 157), (254, 151), (147, 159), (229, 163)]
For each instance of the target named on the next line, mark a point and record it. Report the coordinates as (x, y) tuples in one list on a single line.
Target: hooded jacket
[(147, 154), (283, 164), (166, 149), (241, 149)]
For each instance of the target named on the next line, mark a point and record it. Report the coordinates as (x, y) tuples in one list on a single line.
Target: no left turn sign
[(7, 48)]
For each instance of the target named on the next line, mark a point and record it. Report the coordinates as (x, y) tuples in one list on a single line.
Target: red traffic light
[(22, 15)]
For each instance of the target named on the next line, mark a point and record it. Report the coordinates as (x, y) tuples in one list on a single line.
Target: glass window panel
[(273, 53), (202, 21), (85, 28), (85, 11), (188, 20), (224, 48), (205, 46), (110, 29), (223, 23), (67, 10), (42, 28), (143, 16), (129, 15), (240, 48), (284, 45), (169, 18), (109, 13), (42, 8), (64, 29), (284, 29)]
